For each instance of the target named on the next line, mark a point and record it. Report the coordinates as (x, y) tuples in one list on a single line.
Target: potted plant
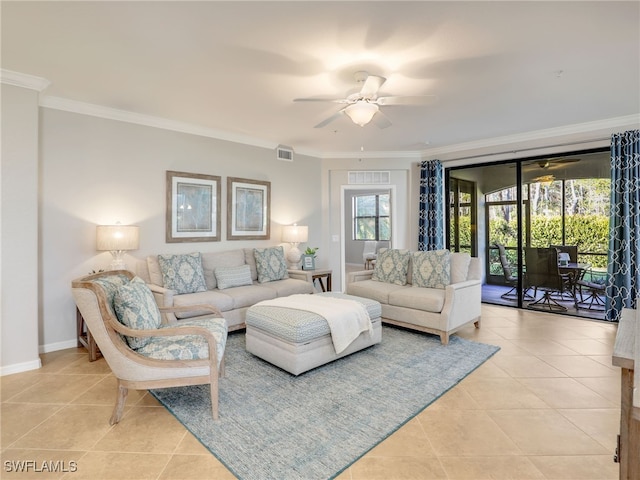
[(308, 258)]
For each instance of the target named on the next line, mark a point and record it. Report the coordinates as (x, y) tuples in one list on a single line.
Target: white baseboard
[(20, 367), (54, 347)]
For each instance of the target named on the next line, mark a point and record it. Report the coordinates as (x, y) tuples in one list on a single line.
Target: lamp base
[(293, 256), (118, 261)]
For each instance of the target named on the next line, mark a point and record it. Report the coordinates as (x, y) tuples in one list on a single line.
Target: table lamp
[(117, 239), (294, 234)]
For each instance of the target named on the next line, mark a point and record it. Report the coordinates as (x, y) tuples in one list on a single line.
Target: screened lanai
[(511, 213)]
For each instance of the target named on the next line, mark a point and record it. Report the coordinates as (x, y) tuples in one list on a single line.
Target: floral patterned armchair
[(125, 321)]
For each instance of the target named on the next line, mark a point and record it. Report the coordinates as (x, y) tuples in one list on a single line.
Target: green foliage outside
[(589, 232)]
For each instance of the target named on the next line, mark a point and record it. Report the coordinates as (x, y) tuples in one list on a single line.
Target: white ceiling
[(498, 68)]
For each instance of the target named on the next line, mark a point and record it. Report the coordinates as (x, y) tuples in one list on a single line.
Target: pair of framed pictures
[(194, 208)]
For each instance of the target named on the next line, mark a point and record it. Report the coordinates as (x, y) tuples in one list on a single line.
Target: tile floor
[(545, 407)]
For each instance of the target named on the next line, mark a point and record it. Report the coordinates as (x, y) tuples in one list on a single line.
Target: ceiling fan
[(549, 163), (364, 106)]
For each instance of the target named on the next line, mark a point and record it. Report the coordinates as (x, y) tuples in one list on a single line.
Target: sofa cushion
[(250, 259), (213, 260), (431, 269), (182, 273), (289, 286), (391, 267), (210, 297), (378, 291), (460, 262), (249, 295), (155, 274), (136, 308), (419, 298), (228, 277), (270, 264)]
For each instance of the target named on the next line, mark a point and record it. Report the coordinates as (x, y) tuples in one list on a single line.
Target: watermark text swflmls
[(40, 466)]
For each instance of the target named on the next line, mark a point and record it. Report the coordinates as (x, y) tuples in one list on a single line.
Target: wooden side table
[(624, 356), (319, 275), (84, 337)]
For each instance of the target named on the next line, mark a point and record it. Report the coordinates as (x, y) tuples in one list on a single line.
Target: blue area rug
[(276, 426)]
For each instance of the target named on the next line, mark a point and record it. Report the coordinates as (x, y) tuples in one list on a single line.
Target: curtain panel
[(624, 224), (431, 210)]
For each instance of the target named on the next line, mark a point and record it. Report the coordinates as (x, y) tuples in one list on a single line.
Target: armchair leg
[(444, 338), (477, 322), (214, 396), (221, 372), (120, 401)]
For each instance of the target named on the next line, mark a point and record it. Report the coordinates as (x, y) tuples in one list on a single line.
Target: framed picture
[(248, 209), (193, 208), (308, 262)]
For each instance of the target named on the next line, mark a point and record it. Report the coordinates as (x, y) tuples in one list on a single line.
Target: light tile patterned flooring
[(545, 407)]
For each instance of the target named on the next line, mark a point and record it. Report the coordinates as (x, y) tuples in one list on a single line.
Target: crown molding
[(58, 103), (23, 80), (608, 126)]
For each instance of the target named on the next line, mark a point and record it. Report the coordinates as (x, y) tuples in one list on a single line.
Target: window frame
[(376, 217)]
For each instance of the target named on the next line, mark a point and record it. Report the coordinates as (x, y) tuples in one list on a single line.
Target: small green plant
[(311, 251)]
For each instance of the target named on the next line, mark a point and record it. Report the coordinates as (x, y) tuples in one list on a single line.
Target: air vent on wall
[(284, 153), (369, 178)]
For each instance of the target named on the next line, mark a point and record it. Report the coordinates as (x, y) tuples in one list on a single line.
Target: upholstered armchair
[(123, 318)]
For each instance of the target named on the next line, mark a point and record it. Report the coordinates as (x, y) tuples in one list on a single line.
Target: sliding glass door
[(537, 202)]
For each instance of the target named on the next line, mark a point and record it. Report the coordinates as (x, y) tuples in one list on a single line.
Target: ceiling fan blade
[(371, 86), (316, 99), (407, 100), (380, 120), (327, 121)]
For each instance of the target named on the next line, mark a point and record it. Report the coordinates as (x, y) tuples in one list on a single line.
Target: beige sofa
[(440, 311), (232, 302)]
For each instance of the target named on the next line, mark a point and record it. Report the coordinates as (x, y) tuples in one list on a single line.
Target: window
[(371, 220)]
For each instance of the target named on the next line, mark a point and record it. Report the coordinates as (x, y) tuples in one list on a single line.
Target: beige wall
[(98, 171), (19, 297)]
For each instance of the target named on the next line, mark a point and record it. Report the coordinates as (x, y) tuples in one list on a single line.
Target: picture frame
[(193, 207), (308, 262), (248, 209)]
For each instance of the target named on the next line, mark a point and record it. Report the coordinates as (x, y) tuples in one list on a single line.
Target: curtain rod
[(528, 149)]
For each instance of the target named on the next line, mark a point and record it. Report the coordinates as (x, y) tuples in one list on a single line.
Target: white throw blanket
[(347, 319)]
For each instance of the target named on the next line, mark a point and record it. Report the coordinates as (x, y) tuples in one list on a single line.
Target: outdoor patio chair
[(543, 274), (510, 277), (151, 355), (590, 291)]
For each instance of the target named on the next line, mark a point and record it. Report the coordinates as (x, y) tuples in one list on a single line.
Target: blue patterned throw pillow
[(391, 267), (182, 273), (136, 308), (228, 277), (270, 264), (432, 269)]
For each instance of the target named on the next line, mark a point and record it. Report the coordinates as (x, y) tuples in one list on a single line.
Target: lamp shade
[(295, 233), (361, 112), (117, 237)]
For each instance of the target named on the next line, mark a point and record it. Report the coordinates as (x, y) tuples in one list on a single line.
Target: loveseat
[(436, 292), (231, 280)]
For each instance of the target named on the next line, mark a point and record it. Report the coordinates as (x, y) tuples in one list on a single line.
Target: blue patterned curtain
[(624, 224), (431, 219)]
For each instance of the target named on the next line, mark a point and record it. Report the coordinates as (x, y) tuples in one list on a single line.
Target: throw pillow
[(183, 273), (432, 269), (391, 267), (270, 264), (228, 277), (136, 308), (460, 262)]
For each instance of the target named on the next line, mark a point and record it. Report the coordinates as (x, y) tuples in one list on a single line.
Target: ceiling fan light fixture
[(361, 112)]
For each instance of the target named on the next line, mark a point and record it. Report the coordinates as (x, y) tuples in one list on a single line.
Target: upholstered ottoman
[(298, 340)]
